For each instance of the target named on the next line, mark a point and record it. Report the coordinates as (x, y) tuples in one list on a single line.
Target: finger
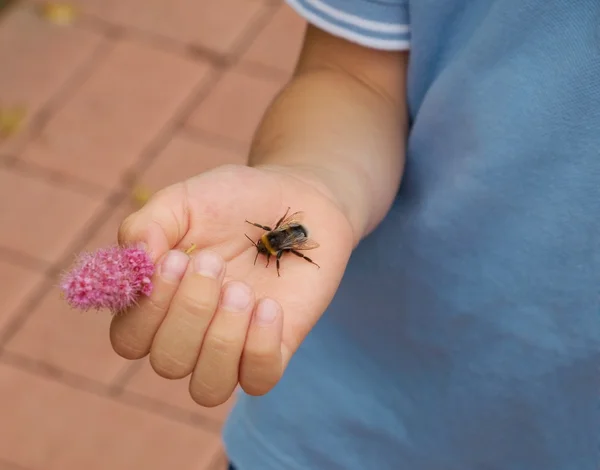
[(216, 374), (160, 224), (177, 343), (261, 365), (132, 333)]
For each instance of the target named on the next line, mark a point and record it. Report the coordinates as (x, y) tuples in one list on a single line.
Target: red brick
[(69, 340), (107, 233), (215, 25), (186, 156), (41, 219), (16, 284), (37, 60), (236, 105), (279, 44), (174, 393), (110, 120), (54, 427)]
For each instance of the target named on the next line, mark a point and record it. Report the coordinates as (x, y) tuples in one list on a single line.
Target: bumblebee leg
[(268, 258), (264, 227), (297, 253), (278, 258), (281, 220), (256, 257)]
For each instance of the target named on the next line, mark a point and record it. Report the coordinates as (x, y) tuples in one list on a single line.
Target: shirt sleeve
[(379, 24)]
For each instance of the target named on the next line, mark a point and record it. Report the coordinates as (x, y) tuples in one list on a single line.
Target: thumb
[(160, 225)]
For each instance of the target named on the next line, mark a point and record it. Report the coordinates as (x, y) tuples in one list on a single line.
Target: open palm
[(209, 212)]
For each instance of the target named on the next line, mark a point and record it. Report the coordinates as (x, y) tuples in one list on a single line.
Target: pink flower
[(111, 278)]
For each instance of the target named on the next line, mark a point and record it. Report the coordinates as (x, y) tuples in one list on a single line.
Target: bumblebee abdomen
[(299, 230), (278, 240)]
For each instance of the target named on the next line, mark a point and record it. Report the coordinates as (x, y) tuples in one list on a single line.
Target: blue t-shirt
[(466, 332)]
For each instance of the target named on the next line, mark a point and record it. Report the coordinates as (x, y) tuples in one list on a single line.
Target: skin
[(330, 145)]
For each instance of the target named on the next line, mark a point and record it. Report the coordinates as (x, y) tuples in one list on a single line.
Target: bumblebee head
[(260, 246)]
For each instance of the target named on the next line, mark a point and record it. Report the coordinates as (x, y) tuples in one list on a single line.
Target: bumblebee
[(288, 235)]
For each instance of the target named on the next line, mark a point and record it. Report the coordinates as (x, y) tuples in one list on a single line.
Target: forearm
[(344, 135)]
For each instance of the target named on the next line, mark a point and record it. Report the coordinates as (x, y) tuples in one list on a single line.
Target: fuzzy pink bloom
[(111, 278)]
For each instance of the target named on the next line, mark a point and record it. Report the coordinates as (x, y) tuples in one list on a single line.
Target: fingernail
[(174, 265), (209, 264), (267, 312), (236, 296)]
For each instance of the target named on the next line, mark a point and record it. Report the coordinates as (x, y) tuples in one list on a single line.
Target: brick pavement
[(131, 94)]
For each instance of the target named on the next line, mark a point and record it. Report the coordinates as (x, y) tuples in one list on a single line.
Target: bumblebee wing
[(296, 241), (295, 218), (306, 244)]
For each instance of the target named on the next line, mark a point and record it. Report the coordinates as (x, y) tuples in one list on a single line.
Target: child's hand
[(215, 314)]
